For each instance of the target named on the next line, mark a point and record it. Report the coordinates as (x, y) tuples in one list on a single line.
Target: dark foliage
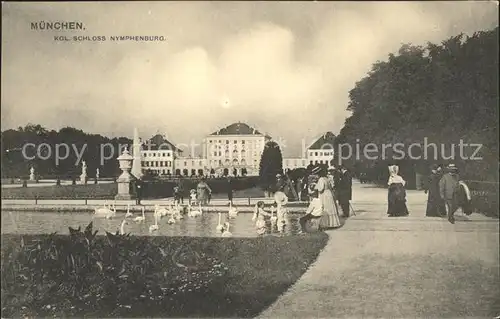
[(84, 275), (444, 93), (271, 163), (14, 164)]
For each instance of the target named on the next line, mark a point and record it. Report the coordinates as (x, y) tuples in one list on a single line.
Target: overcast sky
[(285, 68)]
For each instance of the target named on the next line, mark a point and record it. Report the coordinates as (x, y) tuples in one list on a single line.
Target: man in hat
[(448, 189), (344, 190), (435, 205)]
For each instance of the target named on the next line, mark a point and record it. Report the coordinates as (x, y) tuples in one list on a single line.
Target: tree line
[(442, 93), (90, 146)]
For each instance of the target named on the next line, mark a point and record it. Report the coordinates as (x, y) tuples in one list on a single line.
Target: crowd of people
[(446, 193), (328, 193)]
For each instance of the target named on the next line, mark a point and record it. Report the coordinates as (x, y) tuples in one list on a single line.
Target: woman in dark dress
[(396, 194), (435, 204)]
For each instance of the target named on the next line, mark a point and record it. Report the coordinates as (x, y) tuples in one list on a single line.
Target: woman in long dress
[(203, 191), (396, 193), (330, 218)]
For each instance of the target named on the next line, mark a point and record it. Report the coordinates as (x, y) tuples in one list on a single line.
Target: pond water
[(203, 226)]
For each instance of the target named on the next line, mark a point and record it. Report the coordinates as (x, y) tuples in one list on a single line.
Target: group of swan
[(174, 213)]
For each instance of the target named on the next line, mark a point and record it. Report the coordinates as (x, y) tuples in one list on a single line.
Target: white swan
[(233, 212), (225, 231), (194, 213), (128, 214), (102, 210), (171, 220), (154, 227), (161, 211), (111, 213), (141, 218), (219, 227), (122, 227)]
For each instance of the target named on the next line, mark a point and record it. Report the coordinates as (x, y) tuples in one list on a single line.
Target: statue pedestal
[(125, 182), (32, 177), (83, 179)]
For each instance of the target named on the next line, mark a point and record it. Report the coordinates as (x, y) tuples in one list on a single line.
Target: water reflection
[(203, 226)]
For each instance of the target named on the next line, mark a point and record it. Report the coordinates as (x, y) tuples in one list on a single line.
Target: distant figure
[(138, 191), (229, 188), (455, 193), (299, 186), (203, 192), (435, 204), (179, 193), (97, 173), (396, 193), (344, 190)]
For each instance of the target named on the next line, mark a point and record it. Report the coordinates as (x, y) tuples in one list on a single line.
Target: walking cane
[(352, 208)]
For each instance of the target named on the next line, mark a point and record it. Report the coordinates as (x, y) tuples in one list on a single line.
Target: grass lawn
[(89, 191), (241, 278)]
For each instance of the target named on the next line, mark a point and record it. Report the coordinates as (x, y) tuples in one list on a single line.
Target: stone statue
[(32, 173), (83, 177)]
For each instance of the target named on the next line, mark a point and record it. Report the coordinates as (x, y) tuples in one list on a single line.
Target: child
[(259, 218), (192, 195), (315, 210), (281, 200)]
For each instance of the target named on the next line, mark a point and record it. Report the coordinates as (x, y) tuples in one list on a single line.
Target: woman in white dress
[(324, 187)]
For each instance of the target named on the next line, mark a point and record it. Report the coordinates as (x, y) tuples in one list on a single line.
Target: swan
[(219, 227), (161, 211), (102, 210), (171, 220), (128, 214), (141, 218), (225, 231), (195, 213), (154, 227), (122, 227), (233, 212), (111, 213)]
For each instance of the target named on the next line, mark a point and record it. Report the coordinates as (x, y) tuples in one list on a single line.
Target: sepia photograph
[(239, 159)]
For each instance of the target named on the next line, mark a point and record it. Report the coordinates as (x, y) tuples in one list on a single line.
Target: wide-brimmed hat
[(452, 167)]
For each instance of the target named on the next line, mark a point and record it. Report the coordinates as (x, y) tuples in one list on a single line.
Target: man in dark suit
[(229, 188), (344, 190), (138, 191)]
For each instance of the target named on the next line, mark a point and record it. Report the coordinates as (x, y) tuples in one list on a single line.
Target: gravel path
[(376, 266)]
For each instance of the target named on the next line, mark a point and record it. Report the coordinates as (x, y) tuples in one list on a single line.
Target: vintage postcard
[(210, 159)]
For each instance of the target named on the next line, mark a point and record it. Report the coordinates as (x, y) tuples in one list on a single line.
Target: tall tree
[(443, 92), (271, 163)]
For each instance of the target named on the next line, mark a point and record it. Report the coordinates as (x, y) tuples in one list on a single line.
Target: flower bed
[(119, 276)]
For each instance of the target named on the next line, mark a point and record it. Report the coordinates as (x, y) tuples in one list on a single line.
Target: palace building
[(233, 150)]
